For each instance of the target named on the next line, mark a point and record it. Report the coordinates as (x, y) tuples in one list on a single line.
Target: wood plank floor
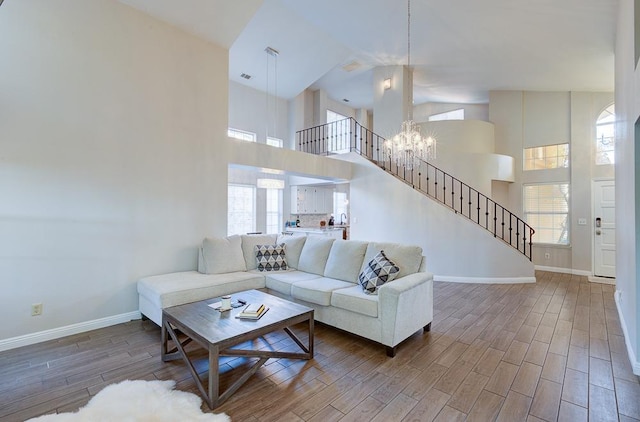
[(552, 350)]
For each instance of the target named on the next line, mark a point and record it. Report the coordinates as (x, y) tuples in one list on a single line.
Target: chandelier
[(409, 147)]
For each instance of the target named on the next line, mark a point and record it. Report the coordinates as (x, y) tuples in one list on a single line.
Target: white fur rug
[(139, 401)]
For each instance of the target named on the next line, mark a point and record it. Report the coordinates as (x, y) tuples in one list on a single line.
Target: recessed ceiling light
[(244, 75)]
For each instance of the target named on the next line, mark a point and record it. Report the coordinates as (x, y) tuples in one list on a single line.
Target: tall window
[(274, 142), (243, 135), (605, 136), (241, 209), (449, 115), (338, 127), (546, 157), (274, 211), (339, 207), (546, 209)]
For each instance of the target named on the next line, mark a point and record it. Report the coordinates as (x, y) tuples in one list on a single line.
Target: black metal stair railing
[(349, 136)]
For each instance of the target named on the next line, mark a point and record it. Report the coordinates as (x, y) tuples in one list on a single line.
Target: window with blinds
[(546, 209)]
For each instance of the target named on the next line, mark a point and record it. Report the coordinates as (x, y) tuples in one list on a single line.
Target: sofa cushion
[(345, 260), (355, 300), (271, 257), (223, 255), (283, 280), (315, 251), (249, 242), (317, 290), (190, 286), (378, 271), (294, 248), (407, 258)]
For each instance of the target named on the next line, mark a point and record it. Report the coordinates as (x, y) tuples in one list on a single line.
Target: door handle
[(598, 222), (598, 232)]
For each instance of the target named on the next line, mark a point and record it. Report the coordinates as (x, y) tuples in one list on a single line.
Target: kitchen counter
[(313, 229), (335, 231)]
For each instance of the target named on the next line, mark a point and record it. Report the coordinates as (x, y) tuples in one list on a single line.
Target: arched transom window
[(605, 136)]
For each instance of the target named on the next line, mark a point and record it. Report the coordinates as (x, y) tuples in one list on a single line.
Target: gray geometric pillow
[(271, 257), (378, 271)]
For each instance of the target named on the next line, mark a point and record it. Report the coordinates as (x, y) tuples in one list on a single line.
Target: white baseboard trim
[(563, 270), (54, 333), (635, 365), (484, 280)]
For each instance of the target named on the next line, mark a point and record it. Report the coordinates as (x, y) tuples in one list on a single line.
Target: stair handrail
[(348, 135)]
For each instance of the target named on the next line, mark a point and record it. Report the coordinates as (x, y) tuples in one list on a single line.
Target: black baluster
[(495, 219)]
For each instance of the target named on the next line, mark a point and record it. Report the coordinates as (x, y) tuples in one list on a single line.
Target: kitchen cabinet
[(311, 200)]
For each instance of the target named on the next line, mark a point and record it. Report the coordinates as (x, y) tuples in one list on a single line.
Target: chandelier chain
[(409, 34), (409, 148)]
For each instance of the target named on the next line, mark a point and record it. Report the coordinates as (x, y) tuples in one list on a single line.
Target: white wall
[(385, 209), (627, 180), (248, 111), (391, 106), (528, 119), (112, 157), (465, 149)]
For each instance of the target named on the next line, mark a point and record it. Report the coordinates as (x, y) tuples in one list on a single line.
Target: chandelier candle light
[(409, 147)]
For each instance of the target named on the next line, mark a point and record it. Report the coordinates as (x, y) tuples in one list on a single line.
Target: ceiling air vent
[(244, 75), (350, 67)]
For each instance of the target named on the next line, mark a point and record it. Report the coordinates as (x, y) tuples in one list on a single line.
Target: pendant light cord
[(410, 72)]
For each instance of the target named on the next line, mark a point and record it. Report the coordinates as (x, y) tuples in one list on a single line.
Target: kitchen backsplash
[(311, 220)]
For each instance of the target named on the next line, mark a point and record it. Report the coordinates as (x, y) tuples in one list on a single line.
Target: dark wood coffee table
[(218, 331)]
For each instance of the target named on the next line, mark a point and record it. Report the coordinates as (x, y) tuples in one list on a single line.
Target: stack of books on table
[(253, 311)]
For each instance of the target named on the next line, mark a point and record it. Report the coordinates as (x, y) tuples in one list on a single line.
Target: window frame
[(270, 214), (252, 213), (338, 135), (457, 114), (606, 119), (538, 212), (275, 142), (542, 155), (243, 135)]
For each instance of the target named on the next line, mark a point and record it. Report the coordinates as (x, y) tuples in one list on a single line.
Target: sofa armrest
[(405, 306)]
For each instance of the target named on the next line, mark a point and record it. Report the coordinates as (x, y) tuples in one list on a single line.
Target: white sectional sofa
[(321, 273)]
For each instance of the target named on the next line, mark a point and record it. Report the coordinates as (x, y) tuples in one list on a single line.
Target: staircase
[(349, 136)]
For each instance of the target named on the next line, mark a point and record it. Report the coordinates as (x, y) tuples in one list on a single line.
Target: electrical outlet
[(36, 309), (547, 255)]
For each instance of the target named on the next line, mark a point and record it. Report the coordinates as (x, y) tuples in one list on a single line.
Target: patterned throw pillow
[(271, 257), (378, 271)]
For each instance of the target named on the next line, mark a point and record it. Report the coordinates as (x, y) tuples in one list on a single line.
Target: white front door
[(604, 228)]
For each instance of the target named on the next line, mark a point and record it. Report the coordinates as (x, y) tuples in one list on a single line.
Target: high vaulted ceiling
[(460, 49)]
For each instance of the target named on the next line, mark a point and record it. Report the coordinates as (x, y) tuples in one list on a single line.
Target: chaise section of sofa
[(320, 272)]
